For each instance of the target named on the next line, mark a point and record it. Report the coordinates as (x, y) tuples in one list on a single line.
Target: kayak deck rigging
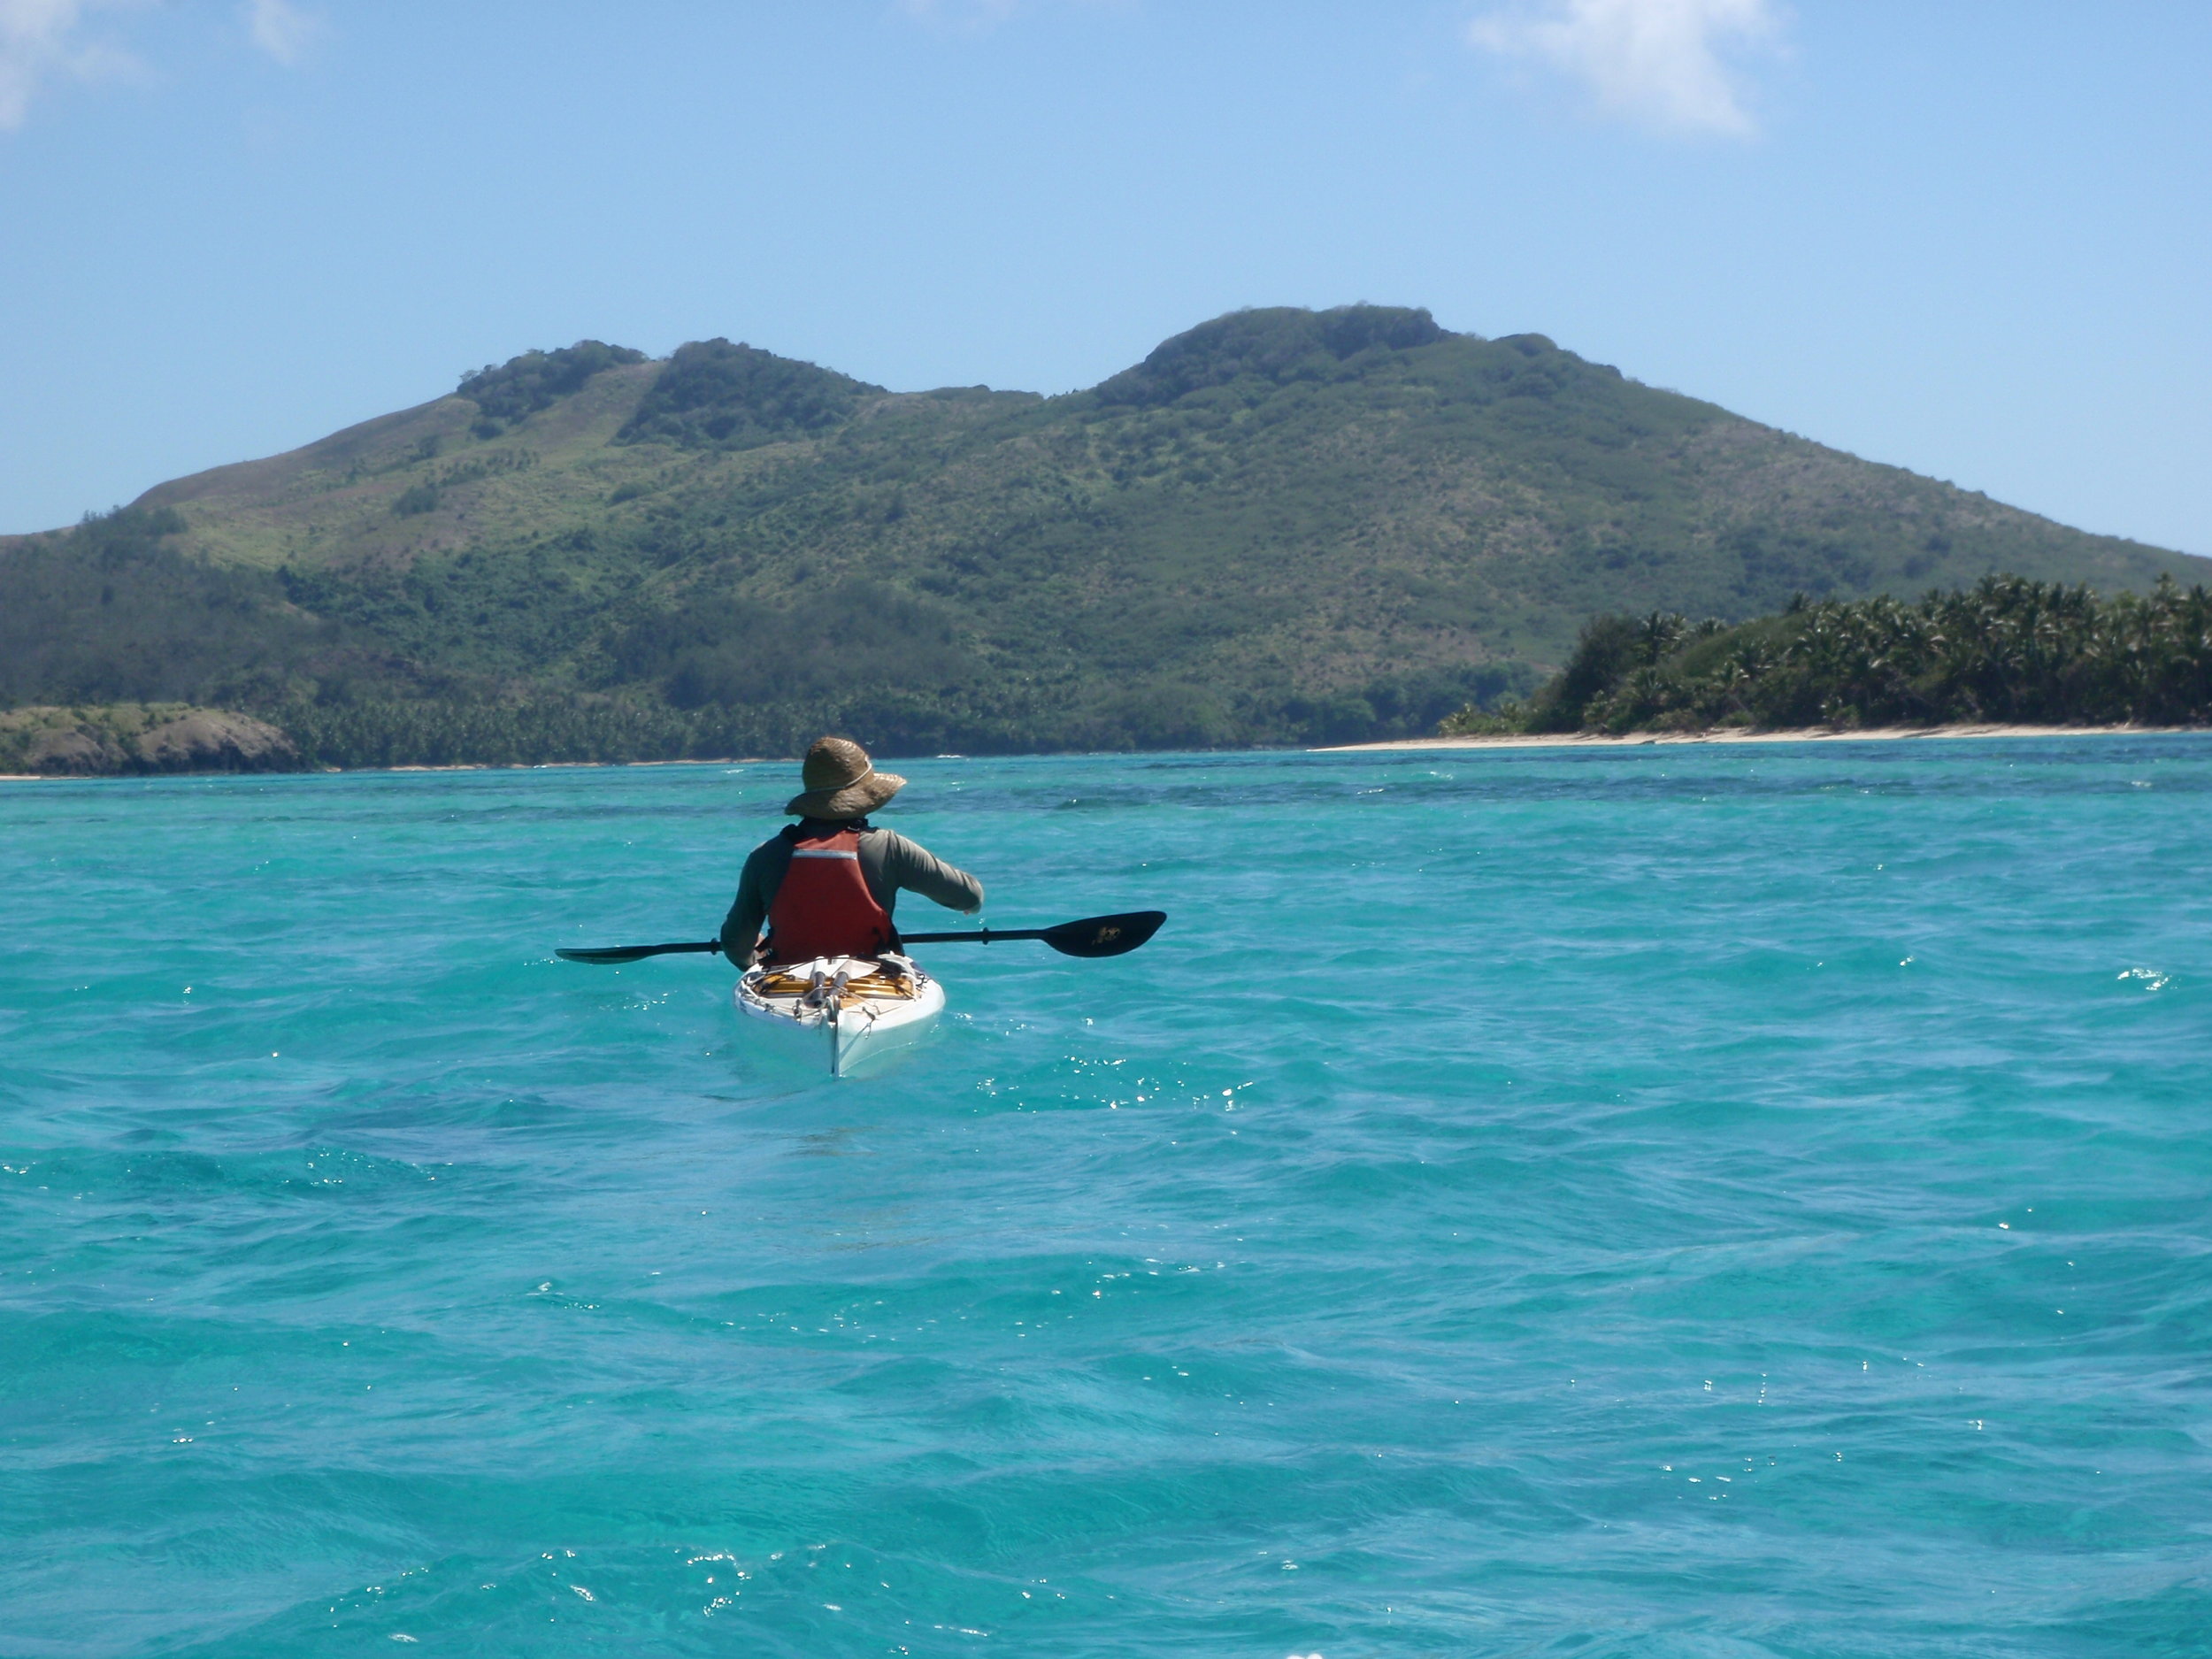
[(814, 989)]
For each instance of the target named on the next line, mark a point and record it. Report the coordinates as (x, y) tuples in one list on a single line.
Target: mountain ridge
[(1280, 525)]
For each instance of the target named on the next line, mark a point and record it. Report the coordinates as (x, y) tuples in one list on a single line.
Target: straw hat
[(841, 783)]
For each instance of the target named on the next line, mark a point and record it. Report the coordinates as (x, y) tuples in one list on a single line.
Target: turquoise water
[(1726, 1201)]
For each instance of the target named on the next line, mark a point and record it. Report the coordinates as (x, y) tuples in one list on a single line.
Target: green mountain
[(1282, 526)]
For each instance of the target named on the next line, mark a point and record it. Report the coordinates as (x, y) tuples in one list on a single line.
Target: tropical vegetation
[(2007, 650)]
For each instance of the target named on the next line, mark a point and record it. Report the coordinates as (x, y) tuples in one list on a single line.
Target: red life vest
[(824, 908)]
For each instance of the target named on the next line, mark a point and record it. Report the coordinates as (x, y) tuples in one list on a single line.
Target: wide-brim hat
[(842, 782)]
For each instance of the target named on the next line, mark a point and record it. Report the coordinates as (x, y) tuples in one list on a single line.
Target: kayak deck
[(856, 1008)]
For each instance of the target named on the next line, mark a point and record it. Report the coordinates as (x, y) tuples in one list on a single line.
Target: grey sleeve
[(913, 868), (756, 891)]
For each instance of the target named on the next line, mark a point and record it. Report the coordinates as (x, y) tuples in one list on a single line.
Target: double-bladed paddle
[(1096, 936)]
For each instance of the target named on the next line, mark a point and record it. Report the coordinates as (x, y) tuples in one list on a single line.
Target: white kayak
[(855, 1008)]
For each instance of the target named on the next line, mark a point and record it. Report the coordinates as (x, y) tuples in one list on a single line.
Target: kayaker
[(825, 885)]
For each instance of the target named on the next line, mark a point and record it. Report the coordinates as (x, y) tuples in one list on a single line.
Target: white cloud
[(42, 41), (280, 29), (1659, 62)]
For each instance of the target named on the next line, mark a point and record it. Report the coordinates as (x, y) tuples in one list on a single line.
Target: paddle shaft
[(1098, 936), (984, 937)]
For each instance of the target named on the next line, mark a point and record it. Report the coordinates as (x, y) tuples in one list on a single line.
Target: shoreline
[(546, 765), (1518, 739), (1800, 734), (331, 772)]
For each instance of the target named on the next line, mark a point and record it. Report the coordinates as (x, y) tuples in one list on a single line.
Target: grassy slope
[(1250, 518)]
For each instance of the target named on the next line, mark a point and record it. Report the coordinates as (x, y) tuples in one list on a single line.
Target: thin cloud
[(969, 14), (1662, 62), (42, 41), (280, 29), (979, 17)]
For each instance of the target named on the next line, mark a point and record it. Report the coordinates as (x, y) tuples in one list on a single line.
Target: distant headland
[(2008, 655)]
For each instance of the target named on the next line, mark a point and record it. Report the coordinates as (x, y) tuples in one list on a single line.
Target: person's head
[(841, 782)]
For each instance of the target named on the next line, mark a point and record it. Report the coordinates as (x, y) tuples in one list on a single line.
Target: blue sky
[(1969, 238)]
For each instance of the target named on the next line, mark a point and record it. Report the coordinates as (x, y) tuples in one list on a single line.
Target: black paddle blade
[(632, 953), (1104, 935)]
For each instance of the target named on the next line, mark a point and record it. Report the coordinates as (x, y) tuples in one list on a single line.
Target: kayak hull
[(850, 1013)]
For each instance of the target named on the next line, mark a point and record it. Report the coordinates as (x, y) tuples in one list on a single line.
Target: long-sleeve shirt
[(889, 863)]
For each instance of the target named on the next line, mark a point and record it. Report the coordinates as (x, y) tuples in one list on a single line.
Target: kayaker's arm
[(902, 865), (741, 928), (755, 890)]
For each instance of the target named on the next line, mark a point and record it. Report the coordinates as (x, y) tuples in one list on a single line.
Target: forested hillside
[(2006, 649), (1281, 526)]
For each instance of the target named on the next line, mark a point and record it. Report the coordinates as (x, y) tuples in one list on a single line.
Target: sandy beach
[(1881, 733), (1559, 739)]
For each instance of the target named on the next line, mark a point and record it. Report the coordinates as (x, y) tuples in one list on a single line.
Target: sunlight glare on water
[(1669, 1201)]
